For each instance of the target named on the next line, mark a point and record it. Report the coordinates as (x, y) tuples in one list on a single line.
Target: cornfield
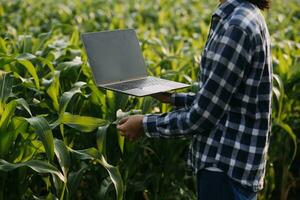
[(58, 136)]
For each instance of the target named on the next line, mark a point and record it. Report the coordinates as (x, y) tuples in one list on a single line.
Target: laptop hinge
[(116, 82)]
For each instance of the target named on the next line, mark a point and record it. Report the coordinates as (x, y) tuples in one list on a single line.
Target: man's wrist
[(141, 118)]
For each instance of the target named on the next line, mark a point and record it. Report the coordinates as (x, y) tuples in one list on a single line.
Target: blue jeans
[(218, 186)]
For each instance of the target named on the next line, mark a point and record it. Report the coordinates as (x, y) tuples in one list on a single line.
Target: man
[(229, 117)]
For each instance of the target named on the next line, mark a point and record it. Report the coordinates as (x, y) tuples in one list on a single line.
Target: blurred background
[(58, 138)]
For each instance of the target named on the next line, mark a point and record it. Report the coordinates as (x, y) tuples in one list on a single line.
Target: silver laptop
[(117, 64)]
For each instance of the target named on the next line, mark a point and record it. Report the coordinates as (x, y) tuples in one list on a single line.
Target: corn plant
[(58, 135)]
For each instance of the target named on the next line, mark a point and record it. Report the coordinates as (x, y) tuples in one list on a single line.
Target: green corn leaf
[(6, 83), (9, 111), (98, 97), (43, 37), (67, 96), (280, 93), (62, 155), (25, 42), (276, 93), (27, 151), (147, 105), (64, 101), (104, 188), (121, 141), (36, 165), (101, 139), (113, 171), (26, 56), (44, 132), (82, 123), (293, 81), (7, 138), (115, 176), (48, 63), (53, 90), (74, 180), (3, 48), (24, 104), (75, 37), (86, 154), (9, 124), (121, 100), (69, 65), (32, 71), (5, 142), (291, 134), (111, 110)]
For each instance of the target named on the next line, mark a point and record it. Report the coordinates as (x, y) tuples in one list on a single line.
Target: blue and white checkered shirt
[(229, 117)]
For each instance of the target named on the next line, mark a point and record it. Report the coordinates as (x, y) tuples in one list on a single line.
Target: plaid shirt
[(229, 117)]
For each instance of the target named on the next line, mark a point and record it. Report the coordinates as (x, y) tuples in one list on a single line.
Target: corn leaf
[(67, 96), (62, 155), (10, 111), (113, 171), (75, 38), (36, 165), (74, 180), (279, 93), (25, 42), (6, 82), (7, 137), (82, 123), (32, 71), (53, 90), (26, 56), (291, 134), (47, 62), (44, 132), (3, 48), (101, 139)]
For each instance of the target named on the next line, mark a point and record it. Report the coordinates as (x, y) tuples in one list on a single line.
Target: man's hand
[(131, 127), (164, 97)]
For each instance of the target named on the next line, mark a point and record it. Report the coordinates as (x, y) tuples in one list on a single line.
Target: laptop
[(117, 64)]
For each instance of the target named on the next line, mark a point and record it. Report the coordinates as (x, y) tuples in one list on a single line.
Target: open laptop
[(117, 64)]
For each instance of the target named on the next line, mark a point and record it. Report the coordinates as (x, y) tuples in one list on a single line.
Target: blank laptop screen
[(114, 55)]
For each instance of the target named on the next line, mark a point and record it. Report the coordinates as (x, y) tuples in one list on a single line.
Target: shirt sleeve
[(230, 59), (182, 99)]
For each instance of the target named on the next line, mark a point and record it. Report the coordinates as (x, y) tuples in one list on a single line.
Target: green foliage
[(36, 165), (58, 135)]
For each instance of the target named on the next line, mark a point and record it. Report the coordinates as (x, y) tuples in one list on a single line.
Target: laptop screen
[(114, 55)]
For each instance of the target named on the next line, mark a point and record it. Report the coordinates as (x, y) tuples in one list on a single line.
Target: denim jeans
[(218, 186)]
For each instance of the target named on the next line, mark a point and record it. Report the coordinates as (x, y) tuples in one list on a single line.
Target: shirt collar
[(226, 8)]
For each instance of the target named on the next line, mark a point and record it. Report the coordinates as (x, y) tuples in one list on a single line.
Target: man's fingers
[(164, 97), (121, 127), (122, 133), (123, 120), (130, 127)]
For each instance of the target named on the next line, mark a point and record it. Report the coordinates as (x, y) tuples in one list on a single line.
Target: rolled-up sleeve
[(229, 61)]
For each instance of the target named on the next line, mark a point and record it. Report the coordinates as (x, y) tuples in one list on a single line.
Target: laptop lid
[(114, 55)]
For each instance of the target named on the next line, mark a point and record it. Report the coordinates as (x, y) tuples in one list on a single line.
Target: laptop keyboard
[(135, 84)]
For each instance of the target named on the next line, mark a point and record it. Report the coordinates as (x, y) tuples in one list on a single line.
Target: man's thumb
[(123, 120)]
